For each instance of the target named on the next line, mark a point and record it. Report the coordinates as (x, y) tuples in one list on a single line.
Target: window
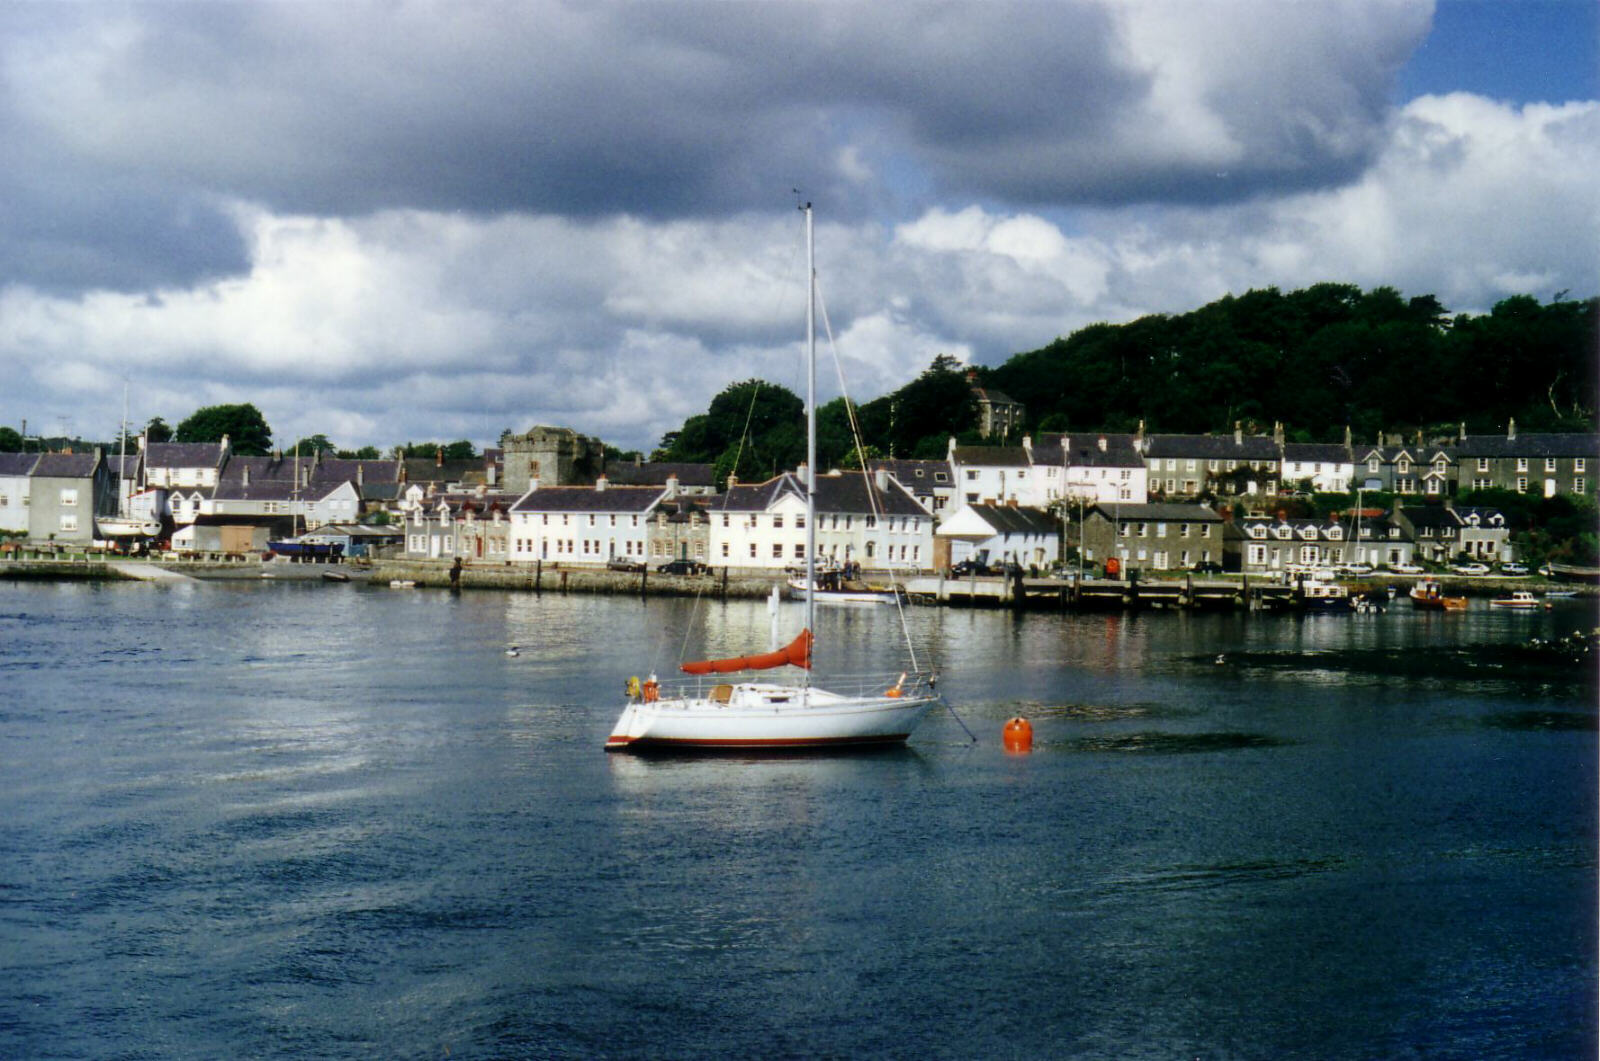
[(1183, 530), (972, 475), (1522, 484), (800, 551), (1522, 464), (724, 550), (1549, 464), (1483, 464), (69, 497), (1579, 465), (777, 550), (777, 522), (1577, 486), (752, 550)]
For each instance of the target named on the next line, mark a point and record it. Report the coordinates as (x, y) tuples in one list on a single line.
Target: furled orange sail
[(797, 654)]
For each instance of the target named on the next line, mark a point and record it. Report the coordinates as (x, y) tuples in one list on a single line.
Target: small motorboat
[(1521, 600)]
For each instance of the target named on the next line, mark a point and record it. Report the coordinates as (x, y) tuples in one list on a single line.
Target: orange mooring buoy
[(1017, 735)]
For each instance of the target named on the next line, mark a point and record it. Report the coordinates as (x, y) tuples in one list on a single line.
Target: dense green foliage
[(1318, 360), (158, 430), (247, 430), (458, 450), (10, 440), (753, 429)]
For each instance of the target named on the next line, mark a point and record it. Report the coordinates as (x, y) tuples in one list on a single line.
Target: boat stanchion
[(1017, 736)]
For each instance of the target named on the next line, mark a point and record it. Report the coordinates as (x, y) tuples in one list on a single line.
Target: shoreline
[(1039, 593)]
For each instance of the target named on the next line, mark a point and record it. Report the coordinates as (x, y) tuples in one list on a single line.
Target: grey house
[(1543, 464), (1161, 536), (1188, 465), (66, 491)]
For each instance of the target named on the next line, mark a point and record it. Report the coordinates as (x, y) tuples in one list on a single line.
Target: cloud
[(136, 121), (413, 222)]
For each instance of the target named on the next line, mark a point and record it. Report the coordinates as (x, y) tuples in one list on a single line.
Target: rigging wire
[(867, 478)]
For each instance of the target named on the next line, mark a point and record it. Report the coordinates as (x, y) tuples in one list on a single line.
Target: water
[(330, 821)]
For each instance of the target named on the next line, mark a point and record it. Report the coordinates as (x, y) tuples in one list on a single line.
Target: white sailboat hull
[(771, 717), (797, 590), (127, 527)]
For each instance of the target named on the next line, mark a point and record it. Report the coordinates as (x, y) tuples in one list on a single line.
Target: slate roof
[(1318, 453), (1008, 519), (345, 468), (992, 456), (918, 476), (65, 465), (844, 493), (261, 469), (183, 454), (1534, 445), (614, 499), (656, 473), (1222, 447), (1083, 450), (1432, 516), (1169, 511), (17, 463)]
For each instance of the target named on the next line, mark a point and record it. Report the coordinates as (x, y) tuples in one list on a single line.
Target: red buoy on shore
[(1017, 736)]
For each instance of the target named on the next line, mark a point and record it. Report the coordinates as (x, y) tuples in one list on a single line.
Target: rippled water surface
[(257, 819)]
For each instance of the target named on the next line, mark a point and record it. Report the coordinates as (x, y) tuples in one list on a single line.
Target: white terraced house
[(584, 524), (872, 521)]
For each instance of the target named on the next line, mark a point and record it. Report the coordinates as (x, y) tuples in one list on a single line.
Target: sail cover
[(797, 654)]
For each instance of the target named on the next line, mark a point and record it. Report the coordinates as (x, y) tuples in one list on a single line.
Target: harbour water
[(301, 820)]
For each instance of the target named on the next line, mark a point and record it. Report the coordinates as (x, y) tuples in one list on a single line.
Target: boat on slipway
[(705, 713)]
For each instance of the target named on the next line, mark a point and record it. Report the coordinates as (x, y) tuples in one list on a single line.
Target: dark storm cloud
[(136, 121)]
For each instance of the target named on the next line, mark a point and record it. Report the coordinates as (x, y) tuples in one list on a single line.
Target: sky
[(403, 221)]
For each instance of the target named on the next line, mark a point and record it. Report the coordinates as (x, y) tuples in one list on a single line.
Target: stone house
[(1542, 464), (1156, 536), (550, 456), (1182, 466)]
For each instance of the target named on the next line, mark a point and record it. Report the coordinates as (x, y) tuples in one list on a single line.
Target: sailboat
[(706, 712), (126, 524)]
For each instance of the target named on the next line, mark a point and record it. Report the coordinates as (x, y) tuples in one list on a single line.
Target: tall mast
[(811, 429)]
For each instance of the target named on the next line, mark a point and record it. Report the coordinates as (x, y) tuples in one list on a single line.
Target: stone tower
[(551, 456)]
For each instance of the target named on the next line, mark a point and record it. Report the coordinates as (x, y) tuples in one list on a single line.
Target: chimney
[(438, 457), (533, 484), (600, 483), (1102, 443), (1138, 438), (1277, 433), (881, 479), (1511, 430), (672, 487), (1027, 446), (246, 476), (1346, 436), (361, 479), (1238, 433), (1462, 436), (733, 480)]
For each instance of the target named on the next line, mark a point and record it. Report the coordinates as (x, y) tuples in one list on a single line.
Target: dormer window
[(1308, 533), (1285, 533), (1258, 532)]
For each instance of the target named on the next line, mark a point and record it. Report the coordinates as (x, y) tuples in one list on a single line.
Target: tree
[(365, 453), (752, 428), (157, 430), (246, 429), (10, 441), (312, 445)]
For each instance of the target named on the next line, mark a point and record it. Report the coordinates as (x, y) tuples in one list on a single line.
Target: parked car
[(1513, 568), (1406, 569), (683, 567), (620, 564), (969, 567), (1207, 567), (1471, 569), (1354, 569)]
